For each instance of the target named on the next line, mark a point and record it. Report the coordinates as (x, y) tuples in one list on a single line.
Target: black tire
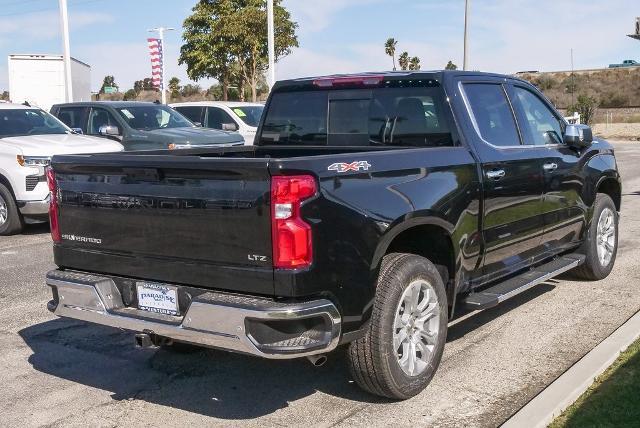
[(592, 269), (373, 362), (14, 222)]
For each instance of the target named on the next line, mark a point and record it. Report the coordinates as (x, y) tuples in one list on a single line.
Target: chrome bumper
[(34, 207), (217, 320)]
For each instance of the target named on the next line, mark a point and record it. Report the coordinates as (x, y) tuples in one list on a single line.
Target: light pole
[(271, 45), (66, 56), (637, 33), (465, 62), (160, 31)]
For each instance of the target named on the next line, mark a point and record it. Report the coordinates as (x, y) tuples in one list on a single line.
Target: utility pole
[(66, 55), (636, 35), (573, 81), (465, 63), (160, 31), (271, 45)]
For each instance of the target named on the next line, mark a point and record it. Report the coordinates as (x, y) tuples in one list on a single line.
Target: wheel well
[(429, 241), (611, 187), (5, 182)]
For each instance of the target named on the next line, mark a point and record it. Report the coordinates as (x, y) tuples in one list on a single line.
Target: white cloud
[(129, 62), (314, 16), (526, 35), (45, 25)]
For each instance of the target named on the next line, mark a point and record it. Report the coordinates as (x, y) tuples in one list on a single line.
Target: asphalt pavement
[(58, 372)]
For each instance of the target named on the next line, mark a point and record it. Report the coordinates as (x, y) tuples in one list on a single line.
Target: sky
[(340, 36)]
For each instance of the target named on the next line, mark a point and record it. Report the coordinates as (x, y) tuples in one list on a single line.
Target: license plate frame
[(158, 298)]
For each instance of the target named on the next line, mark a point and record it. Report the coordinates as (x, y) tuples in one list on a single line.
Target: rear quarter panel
[(358, 213)]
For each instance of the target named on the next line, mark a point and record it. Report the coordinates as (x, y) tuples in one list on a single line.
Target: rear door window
[(193, 113), (492, 114), (74, 117), (415, 116)]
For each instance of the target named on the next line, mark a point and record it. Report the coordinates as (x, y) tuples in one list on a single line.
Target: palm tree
[(414, 63), (390, 49), (403, 60)]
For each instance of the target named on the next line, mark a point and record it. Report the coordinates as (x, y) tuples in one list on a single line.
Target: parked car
[(29, 137), (625, 63), (141, 125), (370, 210), (228, 116)]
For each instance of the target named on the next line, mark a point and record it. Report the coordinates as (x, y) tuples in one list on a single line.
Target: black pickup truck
[(371, 208)]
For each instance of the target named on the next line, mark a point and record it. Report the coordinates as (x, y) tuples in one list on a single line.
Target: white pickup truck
[(29, 137)]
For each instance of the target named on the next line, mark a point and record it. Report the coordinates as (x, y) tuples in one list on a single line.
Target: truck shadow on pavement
[(207, 382)]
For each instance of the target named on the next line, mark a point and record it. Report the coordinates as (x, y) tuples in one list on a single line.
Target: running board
[(512, 287)]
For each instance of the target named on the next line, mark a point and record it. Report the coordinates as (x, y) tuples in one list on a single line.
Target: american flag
[(155, 49)]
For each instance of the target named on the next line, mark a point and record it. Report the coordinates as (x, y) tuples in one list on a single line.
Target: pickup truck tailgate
[(173, 219)]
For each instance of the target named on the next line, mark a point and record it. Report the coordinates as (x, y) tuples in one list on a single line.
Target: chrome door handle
[(496, 174), (550, 166)]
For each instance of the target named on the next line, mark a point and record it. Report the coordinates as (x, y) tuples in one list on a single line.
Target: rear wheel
[(601, 242), (403, 346), (10, 218)]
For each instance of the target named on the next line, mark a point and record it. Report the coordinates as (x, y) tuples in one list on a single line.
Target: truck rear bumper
[(250, 325)]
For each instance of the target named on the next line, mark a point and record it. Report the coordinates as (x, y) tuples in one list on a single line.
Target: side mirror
[(230, 127), (108, 131), (578, 136), (199, 124), (77, 131)]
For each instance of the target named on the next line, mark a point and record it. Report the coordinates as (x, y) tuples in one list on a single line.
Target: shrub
[(614, 100), (586, 106)]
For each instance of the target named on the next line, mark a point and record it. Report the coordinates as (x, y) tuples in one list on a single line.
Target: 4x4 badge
[(353, 166)]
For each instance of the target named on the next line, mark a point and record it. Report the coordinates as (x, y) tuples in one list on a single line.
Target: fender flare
[(405, 223)]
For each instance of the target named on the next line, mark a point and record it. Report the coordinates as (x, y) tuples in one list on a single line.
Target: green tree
[(5, 96), (138, 86), (130, 95), (414, 63), (174, 87), (403, 60), (190, 90), (108, 81), (586, 107), (222, 33), (390, 49), (147, 84), (451, 66), (214, 92)]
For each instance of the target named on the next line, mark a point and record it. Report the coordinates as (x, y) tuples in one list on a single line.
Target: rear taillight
[(291, 236), (53, 205)]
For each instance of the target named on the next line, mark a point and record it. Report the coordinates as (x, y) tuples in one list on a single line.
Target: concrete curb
[(566, 389)]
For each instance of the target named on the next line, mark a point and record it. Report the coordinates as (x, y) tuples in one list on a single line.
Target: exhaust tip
[(317, 360)]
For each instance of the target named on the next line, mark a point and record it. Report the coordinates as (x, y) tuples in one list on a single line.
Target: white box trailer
[(39, 80)]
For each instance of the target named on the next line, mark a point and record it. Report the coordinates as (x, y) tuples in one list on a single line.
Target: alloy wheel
[(606, 236), (416, 327)]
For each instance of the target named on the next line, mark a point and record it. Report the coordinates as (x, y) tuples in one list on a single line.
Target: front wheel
[(402, 348), (600, 246), (10, 218)]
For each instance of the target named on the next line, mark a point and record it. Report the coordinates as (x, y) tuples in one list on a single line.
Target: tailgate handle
[(143, 174)]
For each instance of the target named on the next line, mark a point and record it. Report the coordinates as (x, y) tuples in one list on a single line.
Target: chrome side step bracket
[(498, 293)]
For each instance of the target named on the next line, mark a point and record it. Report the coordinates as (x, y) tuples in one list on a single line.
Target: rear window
[(413, 116)]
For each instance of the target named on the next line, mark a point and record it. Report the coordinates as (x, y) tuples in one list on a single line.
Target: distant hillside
[(615, 87)]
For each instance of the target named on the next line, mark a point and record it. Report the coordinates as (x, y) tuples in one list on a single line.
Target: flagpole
[(271, 80), (66, 56), (163, 88)]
